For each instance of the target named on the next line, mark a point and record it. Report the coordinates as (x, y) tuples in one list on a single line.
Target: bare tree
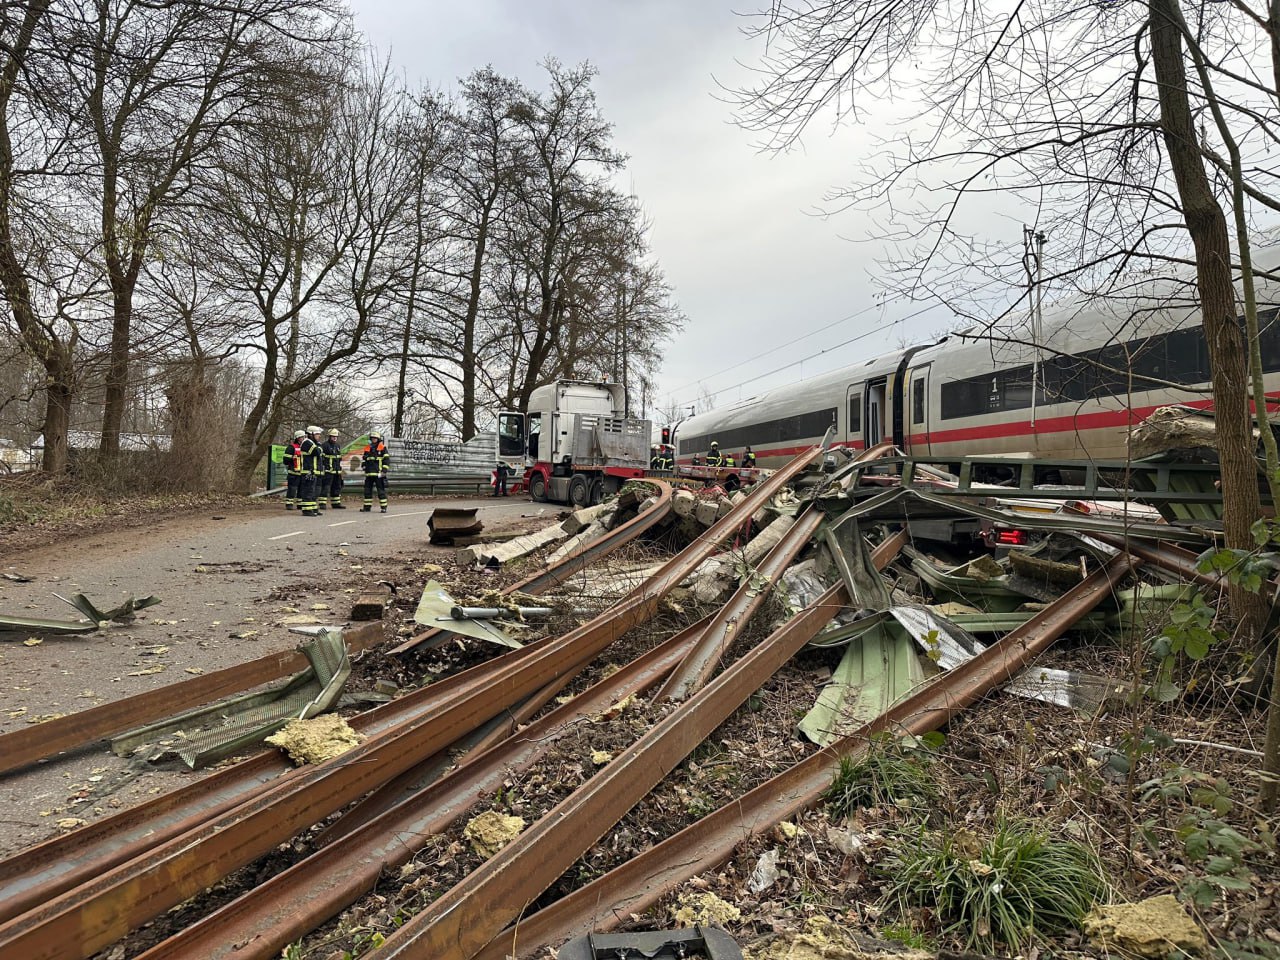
[(25, 146), (147, 90), (304, 220)]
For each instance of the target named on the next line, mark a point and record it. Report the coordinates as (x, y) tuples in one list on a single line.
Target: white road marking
[(416, 513), (284, 536), (343, 523)]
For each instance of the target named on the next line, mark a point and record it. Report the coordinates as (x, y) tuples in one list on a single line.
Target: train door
[(917, 432), (873, 429), (853, 421)]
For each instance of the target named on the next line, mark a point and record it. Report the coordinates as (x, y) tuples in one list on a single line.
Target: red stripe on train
[(1099, 420)]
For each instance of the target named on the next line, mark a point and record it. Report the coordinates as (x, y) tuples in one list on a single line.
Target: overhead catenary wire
[(879, 328), (774, 349)]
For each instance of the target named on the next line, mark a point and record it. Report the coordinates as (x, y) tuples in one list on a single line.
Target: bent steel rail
[(558, 573), (81, 921), (639, 883)]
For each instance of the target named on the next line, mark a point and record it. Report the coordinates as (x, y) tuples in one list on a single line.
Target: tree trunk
[(469, 320), (117, 379), (1207, 226), (57, 416)]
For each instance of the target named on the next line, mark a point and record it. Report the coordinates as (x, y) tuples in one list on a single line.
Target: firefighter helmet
[(333, 431), (313, 429), (299, 434), (375, 435), (714, 444)]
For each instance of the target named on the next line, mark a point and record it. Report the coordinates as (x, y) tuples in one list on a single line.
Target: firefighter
[(713, 456), (375, 460), (655, 458), (728, 459), (500, 479), (293, 470), (311, 461), (332, 481), (748, 458)]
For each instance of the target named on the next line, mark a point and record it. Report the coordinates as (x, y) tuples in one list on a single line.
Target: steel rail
[(83, 920), (729, 620), (1175, 559), (642, 881), (24, 747), (399, 789), (65, 861), (538, 583), (294, 902), (478, 907)]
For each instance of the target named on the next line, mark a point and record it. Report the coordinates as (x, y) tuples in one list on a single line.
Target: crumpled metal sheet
[(877, 670), (435, 610), (10, 624), (249, 719), (96, 618), (943, 642), (949, 645), (125, 611)]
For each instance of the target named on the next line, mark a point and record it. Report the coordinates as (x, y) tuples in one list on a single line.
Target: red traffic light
[(666, 435)]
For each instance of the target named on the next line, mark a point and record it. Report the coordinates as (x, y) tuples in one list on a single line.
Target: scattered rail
[(24, 747), (82, 920), (558, 573), (646, 878)]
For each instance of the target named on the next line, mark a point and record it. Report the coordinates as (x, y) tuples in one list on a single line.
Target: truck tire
[(538, 488), (579, 491), (597, 491)]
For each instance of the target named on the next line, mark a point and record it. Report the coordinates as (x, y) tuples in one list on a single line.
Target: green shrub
[(1015, 887), (892, 771)]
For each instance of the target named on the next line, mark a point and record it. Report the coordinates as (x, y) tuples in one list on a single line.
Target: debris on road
[(447, 524), (316, 739)]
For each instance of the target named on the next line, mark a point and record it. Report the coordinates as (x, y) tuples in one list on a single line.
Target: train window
[(855, 413), (969, 397), (917, 400), (1269, 339), (782, 430)]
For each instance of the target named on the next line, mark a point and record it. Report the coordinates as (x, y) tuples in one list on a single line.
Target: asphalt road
[(229, 583)]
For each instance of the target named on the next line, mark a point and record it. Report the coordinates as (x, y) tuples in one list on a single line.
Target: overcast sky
[(757, 272)]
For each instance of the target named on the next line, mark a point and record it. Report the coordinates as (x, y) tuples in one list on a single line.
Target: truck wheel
[(597, 491), (731, 484), (538, 488), (579, 491)]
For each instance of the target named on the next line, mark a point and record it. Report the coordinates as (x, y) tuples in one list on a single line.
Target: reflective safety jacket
[(291, 456), (310, 460), (332, 451), (715, 459), (375, 459), (748, 459)]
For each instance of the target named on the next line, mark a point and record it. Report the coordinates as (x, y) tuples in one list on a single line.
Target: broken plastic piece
[(698, 941)]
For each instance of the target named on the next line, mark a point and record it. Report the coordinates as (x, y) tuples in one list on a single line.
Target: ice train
[(1070, 393)]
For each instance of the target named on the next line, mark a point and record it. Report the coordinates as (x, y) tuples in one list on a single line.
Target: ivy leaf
[(1220, 865), (1197, 643), (1201, 894), (1229, 882)]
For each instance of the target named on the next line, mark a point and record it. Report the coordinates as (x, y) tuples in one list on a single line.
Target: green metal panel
[(877, 670)]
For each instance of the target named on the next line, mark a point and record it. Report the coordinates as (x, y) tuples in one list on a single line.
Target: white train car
[(1103, 366)]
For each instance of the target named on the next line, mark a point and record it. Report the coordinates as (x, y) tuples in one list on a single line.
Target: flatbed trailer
[(730, 478)]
